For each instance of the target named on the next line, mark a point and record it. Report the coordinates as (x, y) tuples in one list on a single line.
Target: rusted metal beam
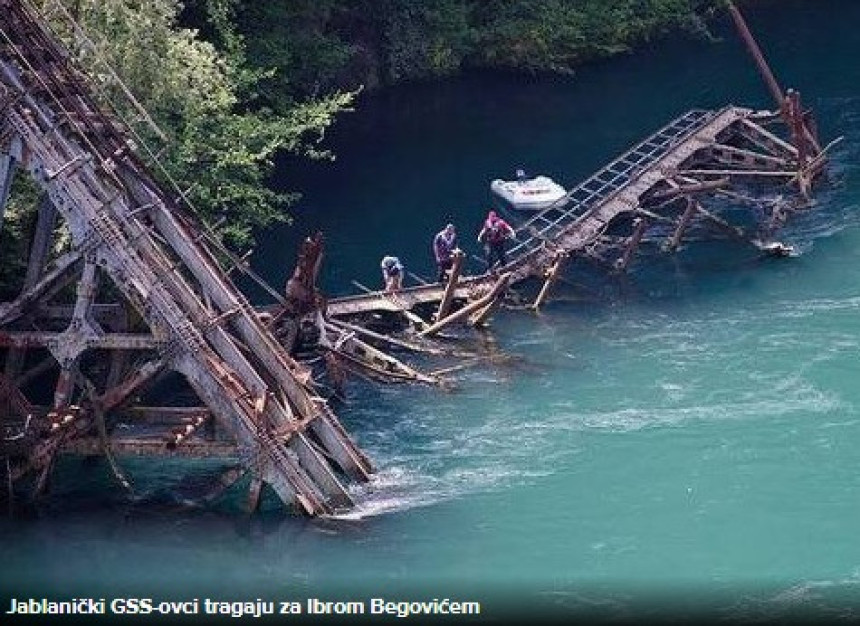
[(41, 244), (133, 415), (64, 426), (180, 434), (111, 316), (45, 365), (398, 343), (788, 102), (724, 172), (16, 400), (765, 139), (279, 365), (80, 156), (111, 341), (731, 229), (375, 362), (683, 222), (39, 249), (739, 157), (153, 447), (118, 395), (752, 46), (683, 190), (56, 278), (68, 350), (302, 295), (160, 415)]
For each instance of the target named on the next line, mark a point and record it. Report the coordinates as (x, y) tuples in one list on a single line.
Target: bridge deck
[(578, 219)]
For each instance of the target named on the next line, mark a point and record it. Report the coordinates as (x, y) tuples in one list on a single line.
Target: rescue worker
[(392, 273), (444, 244), (493, 235)]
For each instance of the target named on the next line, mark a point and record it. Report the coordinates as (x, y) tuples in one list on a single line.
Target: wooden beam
[(715, 172), (399, 343), (400, 307), (683, 222), (756, 53), (640, 225), (500, 285), (730, 155), (697, 187), (550, 276), (451, 286), (379, 364), (765, 139)]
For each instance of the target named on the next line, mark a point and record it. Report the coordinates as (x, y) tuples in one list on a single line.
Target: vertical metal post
[(255, 490), (39, 249), (7, 173), (41, 245), (86, 294), (758, 57), (10, 487)]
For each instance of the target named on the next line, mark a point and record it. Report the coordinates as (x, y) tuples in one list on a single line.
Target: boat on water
[(528, 193)]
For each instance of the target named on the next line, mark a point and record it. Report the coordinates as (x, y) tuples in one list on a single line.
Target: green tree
[(220, 138)]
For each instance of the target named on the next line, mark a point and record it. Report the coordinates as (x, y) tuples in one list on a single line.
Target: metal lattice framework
[(178, 310)]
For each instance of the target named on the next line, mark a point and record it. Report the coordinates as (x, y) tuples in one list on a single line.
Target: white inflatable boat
[(529, 194)]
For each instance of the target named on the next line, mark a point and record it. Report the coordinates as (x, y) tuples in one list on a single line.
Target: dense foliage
[(220, 142), (318, 45)]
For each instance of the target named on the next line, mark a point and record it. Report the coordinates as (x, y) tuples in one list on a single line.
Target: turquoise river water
[(683, 440)]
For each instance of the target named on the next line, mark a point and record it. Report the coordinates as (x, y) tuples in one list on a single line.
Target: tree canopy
[(220, 137)]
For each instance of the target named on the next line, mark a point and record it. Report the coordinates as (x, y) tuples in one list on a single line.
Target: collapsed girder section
[(127, 232)]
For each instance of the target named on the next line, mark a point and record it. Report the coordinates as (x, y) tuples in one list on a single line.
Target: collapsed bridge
[(139, 290)]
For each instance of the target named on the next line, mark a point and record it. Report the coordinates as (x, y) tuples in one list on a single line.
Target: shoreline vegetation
[(233, 83)]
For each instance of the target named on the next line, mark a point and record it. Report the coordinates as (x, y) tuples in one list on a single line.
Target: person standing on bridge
[(494, 236), (392, 273), (444, 244)]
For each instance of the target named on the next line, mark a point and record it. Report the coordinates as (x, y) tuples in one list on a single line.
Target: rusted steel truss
[(137, 292)]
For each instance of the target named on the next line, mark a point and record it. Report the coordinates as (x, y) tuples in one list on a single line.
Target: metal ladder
[(552, 221)]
